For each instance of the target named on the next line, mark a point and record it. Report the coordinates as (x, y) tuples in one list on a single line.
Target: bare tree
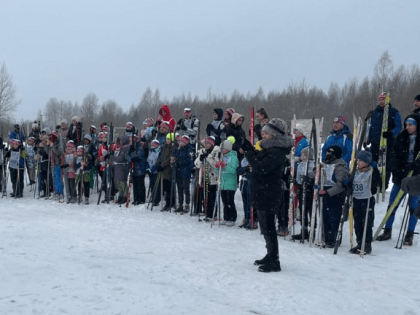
[(89, 108), (8, 102), (384, 68)]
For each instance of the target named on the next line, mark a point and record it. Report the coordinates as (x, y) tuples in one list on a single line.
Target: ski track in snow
[(70, 259)]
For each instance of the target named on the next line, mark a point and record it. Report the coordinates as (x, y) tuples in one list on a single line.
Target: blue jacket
[(375, 129), (139, 159), (15, 135), (343, 139), (301, 145), (184, 162), (152, 159)]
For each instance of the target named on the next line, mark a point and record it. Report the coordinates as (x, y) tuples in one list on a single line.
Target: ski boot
[(386, 235), (273, 265), (263, 261), (408, 239), (356, 249)]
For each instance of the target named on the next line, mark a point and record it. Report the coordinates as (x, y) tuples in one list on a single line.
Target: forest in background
[(357, 96)]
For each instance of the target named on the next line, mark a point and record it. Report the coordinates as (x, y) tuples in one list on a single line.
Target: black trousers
[(17, 187), (359, 214), (167, 186), (139, 189), (229, 209), (183, 185), (268, 229), (86, 188)]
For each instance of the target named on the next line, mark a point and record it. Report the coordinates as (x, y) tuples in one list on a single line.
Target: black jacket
[(398, 164)]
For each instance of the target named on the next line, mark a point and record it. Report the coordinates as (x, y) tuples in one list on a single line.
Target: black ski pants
[(229, 209), (17, 187), (183, 185), (139, 189), (359, 214), (268, 229)]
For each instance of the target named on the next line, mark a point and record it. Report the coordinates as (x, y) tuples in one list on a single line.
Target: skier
[(164, 165), (130, 129), (75, 131), (267, 167), (16, 167), (165, 115), (238, 133), (30, 159), (69, 168), (228, 164), (209, 155), (137, 155), (93, 136), (35, 131), (309, 179), (216, 128), (228, 117), (333, 193), (121, 167), (188, 126), (153, 173), (416, 105), (341, 136), (262, 118), (17, 134), (83, 166), (375, 132), (365, 184), (183, 163), (403, 160)]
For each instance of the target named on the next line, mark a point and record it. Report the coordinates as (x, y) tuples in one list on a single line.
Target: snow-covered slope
[(69, 259)]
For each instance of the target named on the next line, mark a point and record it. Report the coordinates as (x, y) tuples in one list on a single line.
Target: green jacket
[(229, 172)]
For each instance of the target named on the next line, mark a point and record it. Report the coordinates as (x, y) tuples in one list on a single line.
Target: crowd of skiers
[(191, 174)]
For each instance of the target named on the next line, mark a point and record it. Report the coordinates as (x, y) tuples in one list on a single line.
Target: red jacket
[(167, 117)]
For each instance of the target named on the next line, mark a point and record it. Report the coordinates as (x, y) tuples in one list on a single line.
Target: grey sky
[(116, 49)]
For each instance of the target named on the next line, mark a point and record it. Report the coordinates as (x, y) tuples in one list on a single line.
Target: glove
[(220, 164), (64, 166), (366, 144), (247, 146), (203, 156), (387, 134), (209, 128), (322, 193), (347, 182)]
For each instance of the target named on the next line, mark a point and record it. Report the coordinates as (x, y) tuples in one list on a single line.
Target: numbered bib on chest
[(361, 185), (14, 159), (329, 172)]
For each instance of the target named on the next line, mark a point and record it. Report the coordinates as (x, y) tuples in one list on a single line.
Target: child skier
[(16, 167), (83, 166), (333, 193), (183, 162), (70, 172), (365, 183), (153, 173), (228, 165), (137, 155)]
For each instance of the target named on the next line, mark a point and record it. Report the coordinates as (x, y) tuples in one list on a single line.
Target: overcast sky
[(116, 49)]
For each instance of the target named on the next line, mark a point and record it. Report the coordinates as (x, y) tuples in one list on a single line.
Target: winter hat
[(417, 98), (185, 139), (129, 123), (170, 136), (155, 143), (186, 109), (210, 140), (145, 122), (34, 125), (231, 111), (382, 96), (101, 134), (411, 121), (150, 121), (77, 119), (46, 130), (365, 156), (235, 117), (93, 126), (275, 126), (31, 138), (53, 136), (227, 145), (232, 139), (87, 137), (80, 148), (63, 121), (336, 150), (341, 119), (300, 127), (70, 143), (164, 124)]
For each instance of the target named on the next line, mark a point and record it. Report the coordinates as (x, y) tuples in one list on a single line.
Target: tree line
[(354, 97)]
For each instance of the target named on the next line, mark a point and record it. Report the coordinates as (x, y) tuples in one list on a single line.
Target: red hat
[(341, 119), (210, 140), (231, 111), (165, 124), (185, 139)]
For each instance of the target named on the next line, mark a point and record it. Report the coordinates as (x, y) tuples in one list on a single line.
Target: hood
[(281, 141), (168, 116), (219, 113)]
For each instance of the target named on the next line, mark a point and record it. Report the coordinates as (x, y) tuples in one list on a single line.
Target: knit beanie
[(227, 145), (365, 156), (336, 150), (275, 126)]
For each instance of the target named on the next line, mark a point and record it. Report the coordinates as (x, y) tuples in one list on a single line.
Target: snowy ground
[(69, 259)]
